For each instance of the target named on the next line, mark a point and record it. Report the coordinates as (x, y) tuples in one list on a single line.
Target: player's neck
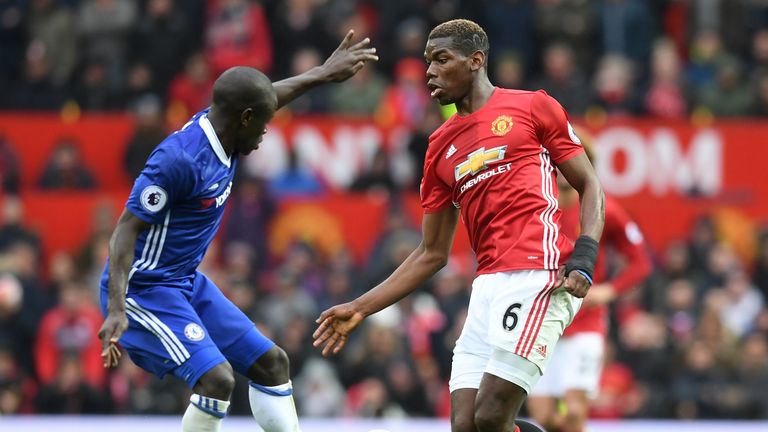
[(220, 126), (479, 95)]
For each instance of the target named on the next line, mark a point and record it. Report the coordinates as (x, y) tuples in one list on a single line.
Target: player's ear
[(246, 116), (476, 60)]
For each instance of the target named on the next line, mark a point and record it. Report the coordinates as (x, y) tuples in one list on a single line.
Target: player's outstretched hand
[(575, 283), (114, 327), (335, 326), (348, 58)]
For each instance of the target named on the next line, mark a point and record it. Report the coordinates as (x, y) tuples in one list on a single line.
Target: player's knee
[(490, 420), (218, 382), (463, 422), (272, 368)]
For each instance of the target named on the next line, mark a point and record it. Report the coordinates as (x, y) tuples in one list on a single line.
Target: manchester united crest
[(501, 125)]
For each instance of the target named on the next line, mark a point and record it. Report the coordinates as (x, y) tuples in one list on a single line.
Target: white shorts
[(576, 365), (513, 322)]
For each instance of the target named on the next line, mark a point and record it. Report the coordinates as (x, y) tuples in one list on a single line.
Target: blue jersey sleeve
[(165, 180)]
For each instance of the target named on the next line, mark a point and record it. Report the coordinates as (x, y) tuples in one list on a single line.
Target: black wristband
[(583, 257)]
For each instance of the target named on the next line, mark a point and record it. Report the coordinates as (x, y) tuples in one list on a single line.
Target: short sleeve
[(553, 129), (164, 181), (435, 194)]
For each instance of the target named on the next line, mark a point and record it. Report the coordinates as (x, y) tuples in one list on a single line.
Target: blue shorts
[(187, 330)]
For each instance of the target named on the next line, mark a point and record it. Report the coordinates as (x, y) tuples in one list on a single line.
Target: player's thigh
[(581, 372), (165, 335), (472, 351), (551, 383), (233, 332), (528, 316)]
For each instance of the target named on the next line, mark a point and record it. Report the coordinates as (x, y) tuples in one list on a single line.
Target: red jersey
[(620, 235), (497, 165)]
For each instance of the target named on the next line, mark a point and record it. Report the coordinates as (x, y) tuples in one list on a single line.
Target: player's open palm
[(335, 326), (114, 326), (348, 58)]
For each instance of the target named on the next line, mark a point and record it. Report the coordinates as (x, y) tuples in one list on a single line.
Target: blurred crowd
[(665, 58), (691, 342)]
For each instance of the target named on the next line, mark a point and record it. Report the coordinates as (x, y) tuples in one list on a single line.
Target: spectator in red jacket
[(70, 329), (238, 35)]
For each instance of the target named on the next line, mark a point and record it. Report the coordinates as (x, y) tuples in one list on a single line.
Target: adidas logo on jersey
[(450, 152), (542, 350)]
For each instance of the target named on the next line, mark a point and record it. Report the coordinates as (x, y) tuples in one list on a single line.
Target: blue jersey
[(181, 191)]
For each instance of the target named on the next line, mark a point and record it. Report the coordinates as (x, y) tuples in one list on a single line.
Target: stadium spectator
[(759, 105), (577, 22), (9, 168), (295, 180), (297, 26), (66, 331), (315, 100), (161, 40), (70, 392), (238, 34), (508, 70), (54, 26), (359, 95), (250, 212), (377, 179), (93, 91), (627, 29), (666, 96), (404, 101), (148, 133), (65, 168), (563, 80), (318, 390), (614, 90), (104, 27), (190, 91), (12, 40), (12, 383), (730, 95), (706, 54), (36, 90)]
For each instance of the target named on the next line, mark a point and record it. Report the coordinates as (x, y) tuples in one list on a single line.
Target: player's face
[(449, 72), (252, 131)]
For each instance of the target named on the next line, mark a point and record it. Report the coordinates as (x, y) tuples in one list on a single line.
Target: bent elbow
[(436, 260)]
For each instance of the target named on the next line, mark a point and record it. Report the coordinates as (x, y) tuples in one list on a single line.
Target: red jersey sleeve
[(625, 237), (553, 129), (435, 193)]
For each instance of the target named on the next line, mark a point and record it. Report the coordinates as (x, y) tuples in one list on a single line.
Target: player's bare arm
[(581, 175), (430, 256), (343, 63), (121, 253)]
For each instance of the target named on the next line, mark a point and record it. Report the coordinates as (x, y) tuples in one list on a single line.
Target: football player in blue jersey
[(170, 318)]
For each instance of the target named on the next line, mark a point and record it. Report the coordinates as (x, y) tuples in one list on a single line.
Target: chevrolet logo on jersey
[(478, 160)]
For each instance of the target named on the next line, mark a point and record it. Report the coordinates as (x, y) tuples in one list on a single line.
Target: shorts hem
[(194, 378)]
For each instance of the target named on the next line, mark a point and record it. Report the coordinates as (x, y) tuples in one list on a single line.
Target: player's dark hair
[(467, 36)]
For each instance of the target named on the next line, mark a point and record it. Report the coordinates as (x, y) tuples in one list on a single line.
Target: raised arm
[(121, 255), (430, 256), (343, 63)]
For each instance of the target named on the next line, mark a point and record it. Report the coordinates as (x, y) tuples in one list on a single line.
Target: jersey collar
[(214, 140)]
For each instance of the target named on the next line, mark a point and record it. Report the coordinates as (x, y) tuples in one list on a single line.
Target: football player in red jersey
[(574, 373), (494, 164)]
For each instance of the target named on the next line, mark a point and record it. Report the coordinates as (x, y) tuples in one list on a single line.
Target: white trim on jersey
[(143, 258), (162, 240), (151, 244), (214, 140), (172, 344), (551, 231)]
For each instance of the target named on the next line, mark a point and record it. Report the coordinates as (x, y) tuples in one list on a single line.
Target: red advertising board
[(665, 173)]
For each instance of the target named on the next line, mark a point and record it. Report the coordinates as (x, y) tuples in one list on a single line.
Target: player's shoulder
[(440, 133)]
